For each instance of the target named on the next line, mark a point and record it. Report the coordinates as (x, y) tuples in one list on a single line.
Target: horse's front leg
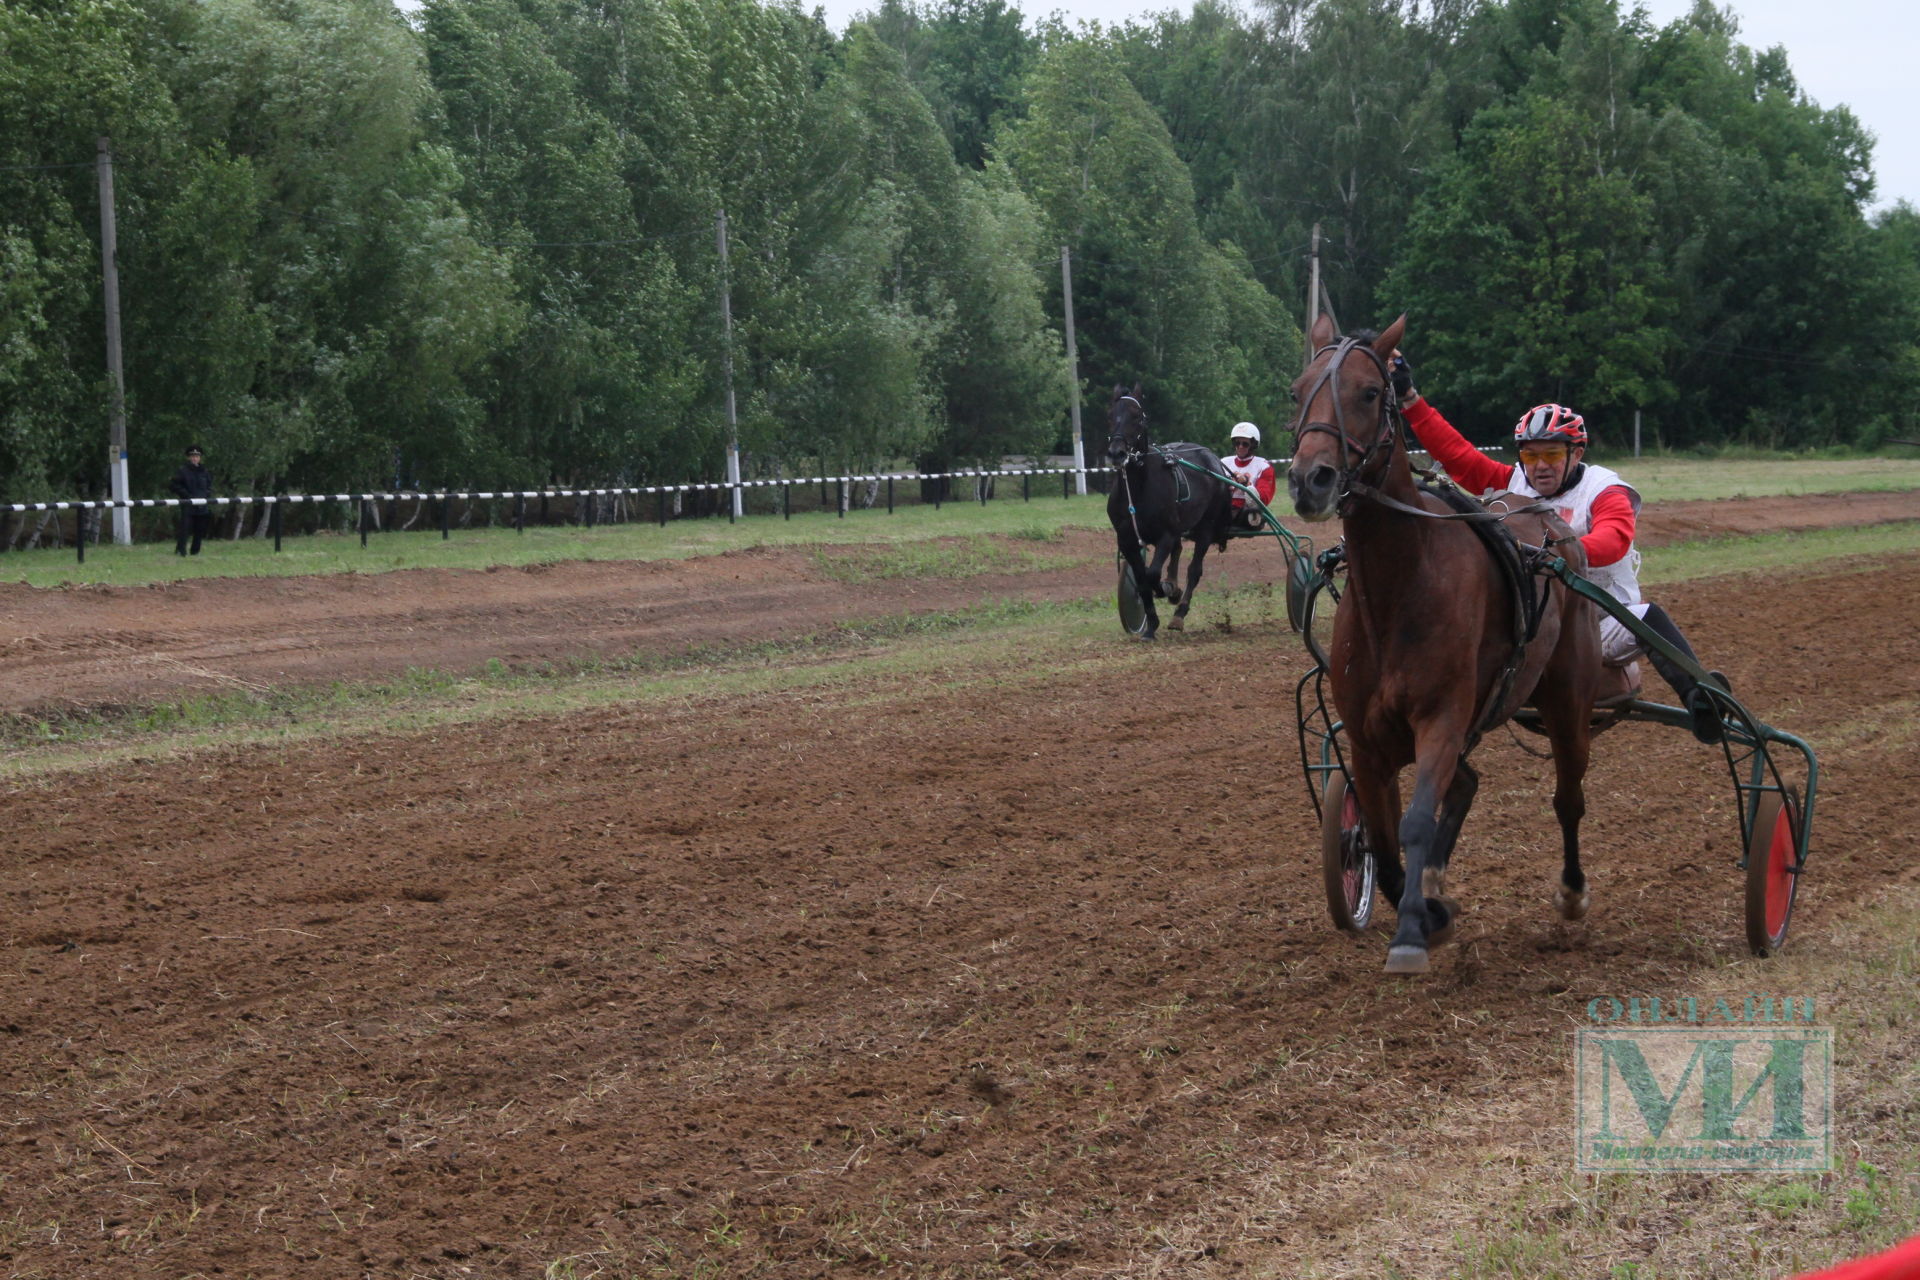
[(1571, 735), (1170, 582), (1376, 786), (1421, 917), (1156, 571), (1196, 569), (1453, 813)]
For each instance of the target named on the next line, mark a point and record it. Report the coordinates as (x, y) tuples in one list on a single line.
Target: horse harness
[(1518, 565), (1182, 487)]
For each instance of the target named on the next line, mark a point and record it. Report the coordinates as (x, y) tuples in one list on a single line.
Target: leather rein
[(1354, 483), (1515, 563)]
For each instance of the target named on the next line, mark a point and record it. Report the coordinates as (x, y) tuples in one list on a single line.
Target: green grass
[(1678, 478), (1039, 520), (1663, 478), (940, 558), (1775, 551), (998, 636)]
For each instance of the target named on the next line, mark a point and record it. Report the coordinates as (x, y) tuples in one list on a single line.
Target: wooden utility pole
[(1313, 290), (1073, 373), (116, 378), (726, 364)]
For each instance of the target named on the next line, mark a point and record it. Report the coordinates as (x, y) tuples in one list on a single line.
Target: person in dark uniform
[(192, 481)]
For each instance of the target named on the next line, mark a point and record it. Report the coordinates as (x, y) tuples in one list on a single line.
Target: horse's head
[(1344, 428), (1126, 426)]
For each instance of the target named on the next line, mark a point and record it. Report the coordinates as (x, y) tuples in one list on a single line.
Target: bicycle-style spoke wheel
[(1346, 862)]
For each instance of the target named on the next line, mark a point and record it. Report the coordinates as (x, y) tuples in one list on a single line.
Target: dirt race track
[(893, 975)]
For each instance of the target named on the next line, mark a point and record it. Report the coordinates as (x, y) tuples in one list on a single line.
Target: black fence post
[(939, 483), (446, 516), (980, 480), (841, 505), (660, 506), (728, 498), (786, 501), (519, 513), (889, 495), (275, 519), (1064, 491), (366, 518), (80, 530)]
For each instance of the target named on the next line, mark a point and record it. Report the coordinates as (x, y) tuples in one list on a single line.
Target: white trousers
[(1619, 646)]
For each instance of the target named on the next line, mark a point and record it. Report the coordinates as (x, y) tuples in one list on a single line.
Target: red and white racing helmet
[(1551, 422)]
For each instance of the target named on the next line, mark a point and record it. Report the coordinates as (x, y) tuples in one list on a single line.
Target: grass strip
[(1018, 631), (1040, 520), (1804, 551), (422, 697), (1661, 478)]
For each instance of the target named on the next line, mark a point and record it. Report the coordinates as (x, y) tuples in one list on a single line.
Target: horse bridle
[(1133, 455), (1353, 477)]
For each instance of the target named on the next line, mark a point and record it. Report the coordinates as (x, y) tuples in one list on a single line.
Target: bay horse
[(1434, 641), (1157, 502)]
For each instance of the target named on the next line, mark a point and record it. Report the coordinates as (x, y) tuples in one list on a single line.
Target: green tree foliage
[(1154, 301), (69, 73), (314, 253), (1655, 219), (967, 59), (1528, 269), (480, 245)]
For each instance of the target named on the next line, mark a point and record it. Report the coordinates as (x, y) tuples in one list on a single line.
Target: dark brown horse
[(1434, 642), (1162, 494)]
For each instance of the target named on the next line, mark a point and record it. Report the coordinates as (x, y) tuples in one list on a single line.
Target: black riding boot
[(1699, 703)]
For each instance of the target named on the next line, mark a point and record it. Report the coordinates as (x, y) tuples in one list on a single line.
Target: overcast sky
[(1857, 52)]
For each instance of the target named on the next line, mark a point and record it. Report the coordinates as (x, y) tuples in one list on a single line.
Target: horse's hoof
[(1404, 959), (1144, 635), (1174, 594), (1442, 934), (1176, 623), (1572, 907)]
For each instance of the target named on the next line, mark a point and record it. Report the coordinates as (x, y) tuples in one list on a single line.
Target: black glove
[(1401, 375)]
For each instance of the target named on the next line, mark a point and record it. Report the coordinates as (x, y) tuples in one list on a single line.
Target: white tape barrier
[(487, 495), (439, 494)]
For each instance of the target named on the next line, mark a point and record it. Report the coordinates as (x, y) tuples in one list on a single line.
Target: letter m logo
[(1698, 1099)]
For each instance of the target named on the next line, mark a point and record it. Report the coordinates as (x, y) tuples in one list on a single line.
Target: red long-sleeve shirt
[(1611, 536)]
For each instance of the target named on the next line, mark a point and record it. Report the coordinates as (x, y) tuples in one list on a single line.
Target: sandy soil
[(953, 978)]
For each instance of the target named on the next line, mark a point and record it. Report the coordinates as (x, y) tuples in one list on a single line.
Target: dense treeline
[(480, 245)]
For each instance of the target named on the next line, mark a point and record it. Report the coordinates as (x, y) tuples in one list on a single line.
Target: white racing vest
[(1247, 474), (1621, 578)]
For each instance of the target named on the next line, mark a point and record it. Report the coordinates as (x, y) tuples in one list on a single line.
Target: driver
[(1596, 504), (1251, 470)]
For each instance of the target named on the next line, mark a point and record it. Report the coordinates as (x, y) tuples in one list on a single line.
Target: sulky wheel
[(1345, 860), (1773, 864), (1133, 610)]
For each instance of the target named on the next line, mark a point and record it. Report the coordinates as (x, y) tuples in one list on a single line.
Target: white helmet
[(1244, 431)]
